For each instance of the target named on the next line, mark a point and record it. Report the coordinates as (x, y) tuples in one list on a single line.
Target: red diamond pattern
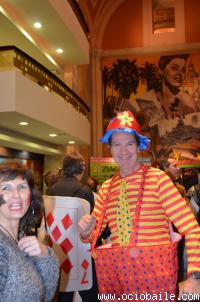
[(50, 219), (85, 264), (66, 245), (66, 221), (66, 266), (56, 233)]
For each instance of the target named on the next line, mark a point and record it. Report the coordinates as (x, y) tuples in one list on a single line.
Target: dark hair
[(164, 60), (51, 178), (196, 194), (163, 164), (73, 164), (9, 170), (95, 185)]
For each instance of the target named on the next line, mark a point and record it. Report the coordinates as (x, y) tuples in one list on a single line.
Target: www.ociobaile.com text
[(148, 297)]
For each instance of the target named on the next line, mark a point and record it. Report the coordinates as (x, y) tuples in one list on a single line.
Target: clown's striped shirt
[(161, 202)]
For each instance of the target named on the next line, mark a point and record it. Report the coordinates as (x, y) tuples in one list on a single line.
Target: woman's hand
[(31, 246), (86, 225)]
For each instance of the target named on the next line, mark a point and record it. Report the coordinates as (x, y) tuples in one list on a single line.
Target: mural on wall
[(164, 94)]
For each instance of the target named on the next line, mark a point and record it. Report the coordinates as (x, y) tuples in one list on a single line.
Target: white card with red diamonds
[(62, 217)]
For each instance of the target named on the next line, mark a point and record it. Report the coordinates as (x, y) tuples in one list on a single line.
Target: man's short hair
[(163, 164), (73, 164)]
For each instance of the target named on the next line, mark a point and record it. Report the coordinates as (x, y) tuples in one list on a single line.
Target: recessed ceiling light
[(59, 50), (37, 25), (52, 134), (23, 123), (71, 142)]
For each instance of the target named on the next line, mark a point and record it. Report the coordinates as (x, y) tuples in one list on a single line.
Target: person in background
[(29, 270), (138, 203), (93, 184), (70, 185), (172, 169), (50, 179), (194, 195)]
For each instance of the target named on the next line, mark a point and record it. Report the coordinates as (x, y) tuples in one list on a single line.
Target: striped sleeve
[(183, 218), (98, 212), (3, 268)]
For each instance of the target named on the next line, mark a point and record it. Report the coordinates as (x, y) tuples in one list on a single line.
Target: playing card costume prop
[(62, 217)]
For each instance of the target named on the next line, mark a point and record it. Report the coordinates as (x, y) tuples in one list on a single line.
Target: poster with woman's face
[(164, 94)]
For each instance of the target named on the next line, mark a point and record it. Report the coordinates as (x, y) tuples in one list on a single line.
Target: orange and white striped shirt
[(161, 203)]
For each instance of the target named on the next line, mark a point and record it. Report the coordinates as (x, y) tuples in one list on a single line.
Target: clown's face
[(124, 150)]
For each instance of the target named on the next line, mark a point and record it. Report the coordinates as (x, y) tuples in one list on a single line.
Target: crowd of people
[(140, 208)]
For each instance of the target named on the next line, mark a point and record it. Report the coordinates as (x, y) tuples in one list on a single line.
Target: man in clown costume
[(140, 204)]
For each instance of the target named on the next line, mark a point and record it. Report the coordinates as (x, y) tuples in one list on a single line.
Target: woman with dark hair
[(168, 100), (29, 270), (174, 102)]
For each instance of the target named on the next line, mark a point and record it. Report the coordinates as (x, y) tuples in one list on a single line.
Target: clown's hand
[(86, 225)]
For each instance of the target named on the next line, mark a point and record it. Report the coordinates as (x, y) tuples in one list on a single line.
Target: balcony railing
[(11, 56)]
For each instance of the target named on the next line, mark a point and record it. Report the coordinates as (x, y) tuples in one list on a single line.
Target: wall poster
[(164, 94)]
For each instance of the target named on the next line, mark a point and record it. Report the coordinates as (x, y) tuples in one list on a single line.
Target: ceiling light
[(50, 59), (59, 50), (23, 123), (37, 25), (52, 134), (26, 34), (71, 142)]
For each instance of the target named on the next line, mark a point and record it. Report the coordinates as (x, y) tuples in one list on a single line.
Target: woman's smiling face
[(15, 199), (174, 72)]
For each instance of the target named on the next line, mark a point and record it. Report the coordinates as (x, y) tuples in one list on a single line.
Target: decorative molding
[(102, 17), (76, 8), (164, 49)]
